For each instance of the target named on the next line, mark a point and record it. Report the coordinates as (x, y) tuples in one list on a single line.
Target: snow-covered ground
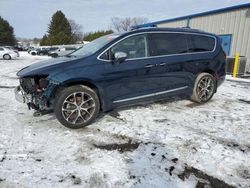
[(165, 144)]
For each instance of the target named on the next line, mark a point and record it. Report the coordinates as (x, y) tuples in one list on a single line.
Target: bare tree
[(76, 30), (125, 24)]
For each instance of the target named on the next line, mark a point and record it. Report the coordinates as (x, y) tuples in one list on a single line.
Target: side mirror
[(120, 57)]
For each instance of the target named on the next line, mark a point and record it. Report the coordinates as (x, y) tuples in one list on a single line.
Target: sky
[(30, 18)]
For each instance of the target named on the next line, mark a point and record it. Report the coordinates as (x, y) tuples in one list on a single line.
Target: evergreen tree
[(59, 31), (43, 41), (7, 36)]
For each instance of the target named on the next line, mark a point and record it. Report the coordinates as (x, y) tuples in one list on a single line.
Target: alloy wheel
[(205, 88), (78, 108)]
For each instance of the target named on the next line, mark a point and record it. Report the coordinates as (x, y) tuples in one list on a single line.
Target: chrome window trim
[(150, 95), (149, 57)]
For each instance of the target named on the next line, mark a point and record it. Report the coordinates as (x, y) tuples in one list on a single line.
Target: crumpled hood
[(44, 67)]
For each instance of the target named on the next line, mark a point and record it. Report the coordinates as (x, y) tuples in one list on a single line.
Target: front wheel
[(204, 88), (76, 106)]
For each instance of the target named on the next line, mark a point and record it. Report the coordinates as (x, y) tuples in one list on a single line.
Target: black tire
[(55, 55), (204, 88), (6, 57), (81, 106), (33, 53)]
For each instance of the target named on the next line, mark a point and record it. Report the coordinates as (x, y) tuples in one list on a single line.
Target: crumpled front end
[(36, 92)]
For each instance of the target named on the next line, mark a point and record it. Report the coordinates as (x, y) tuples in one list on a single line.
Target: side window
[(135, 47), (1, 49), (167, 44), (105, 56), (200, 43)]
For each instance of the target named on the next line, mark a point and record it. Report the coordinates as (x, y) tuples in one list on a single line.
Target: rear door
[(169, 51)]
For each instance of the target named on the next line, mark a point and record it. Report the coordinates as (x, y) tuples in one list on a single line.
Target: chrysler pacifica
[(122, 69)]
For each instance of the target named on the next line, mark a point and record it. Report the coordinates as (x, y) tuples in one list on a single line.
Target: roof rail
[(149, 26)]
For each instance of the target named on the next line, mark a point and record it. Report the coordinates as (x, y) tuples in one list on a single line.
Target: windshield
[(94, 46)]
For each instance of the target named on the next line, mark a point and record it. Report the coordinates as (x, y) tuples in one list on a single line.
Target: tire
[(6, 57), (33, 53), (54, 55), (204, 88), (71, 111)]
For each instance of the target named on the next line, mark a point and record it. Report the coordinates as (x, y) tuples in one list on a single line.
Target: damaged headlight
[(34, 84), (43, 83)]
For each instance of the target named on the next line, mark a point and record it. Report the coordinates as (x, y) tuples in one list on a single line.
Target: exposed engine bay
[(36, 92)]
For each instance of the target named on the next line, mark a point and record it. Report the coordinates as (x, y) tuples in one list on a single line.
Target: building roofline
[(151, 24)]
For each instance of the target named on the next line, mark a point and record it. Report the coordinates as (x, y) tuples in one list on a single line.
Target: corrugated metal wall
[(235, 22), (179, 23)]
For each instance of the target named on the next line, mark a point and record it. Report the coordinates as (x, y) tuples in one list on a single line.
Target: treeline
[(63, 31), (94, 35)]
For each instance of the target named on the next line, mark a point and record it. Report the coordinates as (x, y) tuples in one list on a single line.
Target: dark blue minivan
[(121, 69)]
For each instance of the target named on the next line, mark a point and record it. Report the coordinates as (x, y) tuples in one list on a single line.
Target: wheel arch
[(210, 71), (87, 83)]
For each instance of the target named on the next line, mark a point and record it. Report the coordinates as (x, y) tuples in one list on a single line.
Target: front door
[(134, 78)]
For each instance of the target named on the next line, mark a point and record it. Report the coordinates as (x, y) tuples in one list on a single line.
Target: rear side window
[(200, 43), (167, 44)]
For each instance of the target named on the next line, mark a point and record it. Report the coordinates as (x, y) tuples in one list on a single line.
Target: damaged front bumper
[(21, 96), (37, 99)]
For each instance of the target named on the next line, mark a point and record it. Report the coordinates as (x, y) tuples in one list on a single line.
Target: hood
[(45, 67)]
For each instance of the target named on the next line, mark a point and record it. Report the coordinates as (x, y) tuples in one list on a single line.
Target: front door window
[(134, 47)]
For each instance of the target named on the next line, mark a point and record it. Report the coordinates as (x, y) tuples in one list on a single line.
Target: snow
[(212, 139), (231, 78)]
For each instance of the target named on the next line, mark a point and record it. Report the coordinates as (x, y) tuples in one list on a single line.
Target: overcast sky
[(30, 18)]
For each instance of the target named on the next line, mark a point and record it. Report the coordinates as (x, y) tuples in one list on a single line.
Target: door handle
[(149, 66), (162, 64)]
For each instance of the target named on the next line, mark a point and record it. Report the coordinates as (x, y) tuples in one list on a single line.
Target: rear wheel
[(204, 88), (77, 106), (6, 57)]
